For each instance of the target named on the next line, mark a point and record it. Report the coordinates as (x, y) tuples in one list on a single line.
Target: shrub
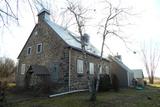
[(145, 82), (104, 83), (7, 67), (115, 82)]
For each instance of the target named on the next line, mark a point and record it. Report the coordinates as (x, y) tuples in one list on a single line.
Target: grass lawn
[(155, 85), (149, 97)]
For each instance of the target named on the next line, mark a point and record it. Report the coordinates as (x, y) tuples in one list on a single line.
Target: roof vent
[(119, 57), (85, 38)]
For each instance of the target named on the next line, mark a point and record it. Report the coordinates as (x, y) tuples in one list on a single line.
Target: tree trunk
[(93, 88), (151, 80)]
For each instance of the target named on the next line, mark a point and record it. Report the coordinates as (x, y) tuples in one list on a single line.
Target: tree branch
[(8, 14)]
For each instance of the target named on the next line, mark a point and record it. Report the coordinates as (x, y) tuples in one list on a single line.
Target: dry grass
[(149, 97), (11, 85), (155, 85)]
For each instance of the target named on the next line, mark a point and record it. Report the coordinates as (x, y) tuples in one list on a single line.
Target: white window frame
[(40, 44), (100, 72), (107, 70), (28, 50), (79, 66), (23, 68), (91, 68)]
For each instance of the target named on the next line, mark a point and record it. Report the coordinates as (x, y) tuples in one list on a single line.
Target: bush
[(104, 83), (7, 69), (115, 82), (145, 82)]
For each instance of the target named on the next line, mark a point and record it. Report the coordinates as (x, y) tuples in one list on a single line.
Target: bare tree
[(8, 11), (7, 68), (151, 57), (79, 14), (110, 26)]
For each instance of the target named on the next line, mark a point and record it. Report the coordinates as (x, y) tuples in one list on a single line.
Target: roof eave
[(26, 42), (80, 50)]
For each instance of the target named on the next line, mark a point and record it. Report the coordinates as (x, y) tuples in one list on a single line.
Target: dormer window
[(39, 48), (29, 50)]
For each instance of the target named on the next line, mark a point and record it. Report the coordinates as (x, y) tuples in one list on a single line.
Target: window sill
[(80, 75)]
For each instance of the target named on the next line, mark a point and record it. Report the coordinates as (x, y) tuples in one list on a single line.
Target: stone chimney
[(43, 14)]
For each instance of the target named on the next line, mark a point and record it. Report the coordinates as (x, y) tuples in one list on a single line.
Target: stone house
[(54, 51), (124, 74)]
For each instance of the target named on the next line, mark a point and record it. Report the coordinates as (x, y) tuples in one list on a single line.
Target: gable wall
[(120, 73), (52, 51)]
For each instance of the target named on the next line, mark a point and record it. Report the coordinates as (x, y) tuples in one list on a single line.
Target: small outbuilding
[(36, 75), (138, 77), (123, 73), (138, 73)]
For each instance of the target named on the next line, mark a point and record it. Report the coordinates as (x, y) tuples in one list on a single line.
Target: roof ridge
[(121, 63), (70, 39)]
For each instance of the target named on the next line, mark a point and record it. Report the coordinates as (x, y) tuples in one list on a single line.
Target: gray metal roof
[(70, 38), (120, 63)]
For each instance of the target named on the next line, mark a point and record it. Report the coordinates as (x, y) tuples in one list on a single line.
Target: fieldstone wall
[(54, 51), (80, 81), (120, 72)]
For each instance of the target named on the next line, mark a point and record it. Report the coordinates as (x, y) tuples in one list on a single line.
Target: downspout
[(110, 73), (17, 72), (69, 81), (128, 78), (69, 74)]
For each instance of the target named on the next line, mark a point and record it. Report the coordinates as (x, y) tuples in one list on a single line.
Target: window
[(100, 72), (23, 68), (107, 70), (39, 48), (66, 55), (79, 66), (29, 49), (91, 68)]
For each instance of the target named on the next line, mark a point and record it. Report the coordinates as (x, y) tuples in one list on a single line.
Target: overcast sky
[(145, 27)]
